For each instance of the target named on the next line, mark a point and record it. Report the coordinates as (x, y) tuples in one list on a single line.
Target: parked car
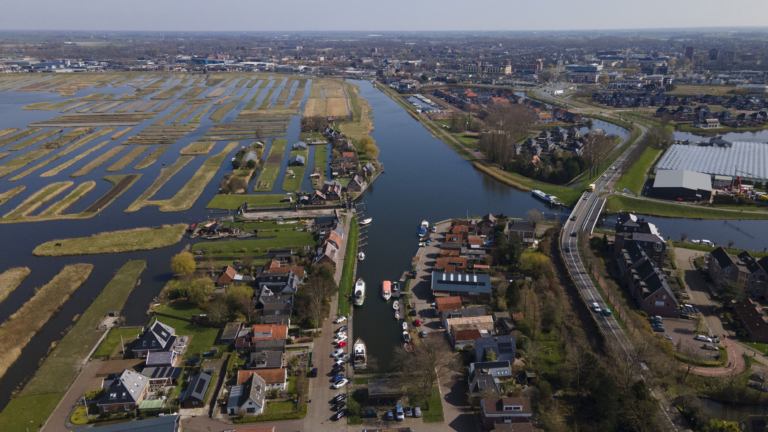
[(417, 323), (339, 362), (702, 338), (341, 329), (340, 319), (390, 415), (341, 383), (338, 378), (339, 415), (370, 413), (755, 385), (757, 377), (417, 412), (342, 344), (339, 397), (337, 369), (313, 373), (408, 412), (658, 328), (339, 406), (709, 347), (434, 229), (337, 353), (655, 319), (423, 333), (399, 414)]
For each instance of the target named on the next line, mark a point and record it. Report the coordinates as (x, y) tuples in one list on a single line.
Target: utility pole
[(122, 345)]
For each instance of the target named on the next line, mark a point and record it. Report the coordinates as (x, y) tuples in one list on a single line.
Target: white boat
[(366, 221), (361, 256), (386, 290), (396, 305), (424, 224), (405, 325), (406, 336), (359, 357), (359, 292)]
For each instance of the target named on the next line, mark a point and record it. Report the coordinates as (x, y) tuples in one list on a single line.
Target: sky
[(366, 15)]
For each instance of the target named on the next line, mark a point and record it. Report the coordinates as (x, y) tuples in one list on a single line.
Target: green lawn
[(549, 356), (293, 183), (617, 203), (112, 242), (763, 348), (61, 368), (233, 202), (564, 194), (284, 240), (271, 169), (203, 338), (634, 178), (468, 141), (280, 407), (435, 412), (27, 413), (347, 275), (112, 341)]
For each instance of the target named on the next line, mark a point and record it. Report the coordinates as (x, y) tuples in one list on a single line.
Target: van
[(399, 413)]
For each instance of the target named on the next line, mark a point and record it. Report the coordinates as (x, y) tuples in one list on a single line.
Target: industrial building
[(682, 184), (748, 160)]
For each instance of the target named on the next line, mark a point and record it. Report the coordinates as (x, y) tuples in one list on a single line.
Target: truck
[(591, 188)]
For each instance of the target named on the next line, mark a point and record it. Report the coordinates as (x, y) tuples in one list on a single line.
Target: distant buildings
[(749, 160)]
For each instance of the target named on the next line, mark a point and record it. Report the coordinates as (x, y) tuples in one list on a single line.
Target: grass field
[(203, 338), (198, 116), (37, 199), (348, 272), (191, 191), (19, 329), (7, 195), (152, 157), (321, 162), (233, 202), (100, 160), (114, 242), (22, 160), (128, 158), (10, 279), (238, 248), (112, 341), (69, 163), (268, 174), (23, 413), (62, 366), (198, 148), (221, 111), (616, 203), (59, 207), (23, 134), (121, 133), (265, 103), (693, 90), (165, 175), (293, 183), (34, 140), (634, 178), (435, 412)]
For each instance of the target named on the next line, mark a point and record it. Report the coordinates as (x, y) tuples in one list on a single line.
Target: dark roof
[(496, 406), (127, 388), (461, 282), (231, 330), (463, 313), (158, 337), (269, 345), (197, 387), (159, 358), (479, 383), (722, 257), (159, 424), (518, 226), (161, 372), (266, 359), (503, 346)]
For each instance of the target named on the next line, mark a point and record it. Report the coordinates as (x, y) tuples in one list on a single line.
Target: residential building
[(462, 285), (646, 282), (485, 377), (161, 358), (274, 379), (447, 303), (463, 338), (505, 410), (386, 391), (630, 229), (279, 283), (266, 360), (125, 393), (231, 331), (484, 322), (743, 269), (524, 230), (247, 398), (194, 396), (157, 337), (469, 312), (503, 348), (753, 320), (227, 277)]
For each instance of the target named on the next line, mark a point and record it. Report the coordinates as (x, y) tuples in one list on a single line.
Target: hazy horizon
[(396, 15)]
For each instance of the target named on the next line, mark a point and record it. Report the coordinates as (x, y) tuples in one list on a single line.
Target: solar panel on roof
[(200, 386)]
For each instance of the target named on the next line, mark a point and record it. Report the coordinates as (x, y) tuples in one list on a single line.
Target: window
[(251, 410)]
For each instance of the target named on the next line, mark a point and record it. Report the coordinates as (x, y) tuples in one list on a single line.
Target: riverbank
[(621, 203), (114, 242), (10, 279)]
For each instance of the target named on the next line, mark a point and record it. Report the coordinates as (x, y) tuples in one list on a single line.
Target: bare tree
[(597, 146), (318, 290), (730, 244), (689, 354), (534, 216), (683, 236), (420, 373)]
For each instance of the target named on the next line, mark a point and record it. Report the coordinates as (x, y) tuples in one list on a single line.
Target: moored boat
[(359, 292), (366, 221), (406, 336), (405, 325), (397, 315), (361, 256), (424, 224), (386, 290), (396, 305), (360, 357)]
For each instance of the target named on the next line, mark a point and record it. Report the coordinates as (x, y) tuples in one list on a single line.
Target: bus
[(591, 188)]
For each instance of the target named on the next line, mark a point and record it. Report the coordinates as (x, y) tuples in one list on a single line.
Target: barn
[(682, 184)]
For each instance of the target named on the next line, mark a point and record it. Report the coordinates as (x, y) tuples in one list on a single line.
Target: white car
[(340, 319), (340, 362), (596, 307), (338, 352), (341, 383), (703, 338)]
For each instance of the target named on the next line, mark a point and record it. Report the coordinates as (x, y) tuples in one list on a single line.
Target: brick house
[(274, 379), (754, 322), (505, 410), (742, 269), (647, 283)]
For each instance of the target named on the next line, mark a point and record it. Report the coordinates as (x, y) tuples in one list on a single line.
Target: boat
[(359, 358), (366, 221), (397, 315), (424, 224), (396, 305), (406, 336), (547, 198), (359, 292), (386, 290), (396, 289), (361, 256), (405, 325)]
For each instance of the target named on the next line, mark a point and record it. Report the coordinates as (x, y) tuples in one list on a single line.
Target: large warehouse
[(749, 160), (687, 185)]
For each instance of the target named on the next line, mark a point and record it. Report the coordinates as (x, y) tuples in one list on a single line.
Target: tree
[(318, 289), (217, 310), (183, 263), (237, 296), (605, 79), (730, 292), (419, 374), (534, 216), (698, 322), (200, 290), (491, 356), (683, 236), (730, 244)]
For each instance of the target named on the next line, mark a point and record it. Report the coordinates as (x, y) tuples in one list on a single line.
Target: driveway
[(59, 420)]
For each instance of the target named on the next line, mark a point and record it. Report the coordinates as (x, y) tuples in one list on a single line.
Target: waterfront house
[(356, 185), (328, 254), (469, 286), (247, 399), (647, 283), (505, 410), (297, 160), (279, 283), (742, 269), (157, 337), (752, 319), (503, 347), (524, 230), (447, 303), (125, 393), (194, 396), (301, 145)]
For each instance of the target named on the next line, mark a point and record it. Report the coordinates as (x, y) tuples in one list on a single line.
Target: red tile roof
[(228, 275), (465, 335), (446, 303), (277, 331)]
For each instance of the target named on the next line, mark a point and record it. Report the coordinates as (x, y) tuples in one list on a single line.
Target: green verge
[(152, 157), (233, 202), (617, 203), (435, 412), (321, 162), (271, 169), (291, 184), (63, 365), (348, 272), (112, 341), (26, 412), (239, 248), (114, 242), (634, 178), (273, 417)]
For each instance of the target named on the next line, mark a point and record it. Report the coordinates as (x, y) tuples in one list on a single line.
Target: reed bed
[(37, 199), (7, 195), (121, 133), (10, 279), (22, 160), (165, 175), (128, 158), (59, 207), (137, 239), (100, 160), (34, 140), (152, 157), (23, 134), (198, 148), (69, 163)]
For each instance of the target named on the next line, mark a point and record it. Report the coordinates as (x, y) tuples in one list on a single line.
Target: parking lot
[(682, 334)]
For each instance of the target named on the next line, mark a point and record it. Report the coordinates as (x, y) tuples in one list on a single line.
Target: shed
[(682, 184), (297, 160)]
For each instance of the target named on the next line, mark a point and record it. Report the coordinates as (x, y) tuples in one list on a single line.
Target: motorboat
[(366, 221), (361, 256), (424, 224), (386, 290), (359, 292), (397, 314), (396, 305), (406, 336), (359, 357), (405, 325)]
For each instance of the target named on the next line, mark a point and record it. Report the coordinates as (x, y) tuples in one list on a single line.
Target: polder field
[(99, 170)]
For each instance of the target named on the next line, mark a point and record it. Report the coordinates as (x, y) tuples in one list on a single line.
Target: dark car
[(567, 249), (338, 378), (341, 329), (573, 234), (313, 373), (390, 415), (757, 377), (338, 406), (337, 369), (339, 397), (339, 415), (370, 413)]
